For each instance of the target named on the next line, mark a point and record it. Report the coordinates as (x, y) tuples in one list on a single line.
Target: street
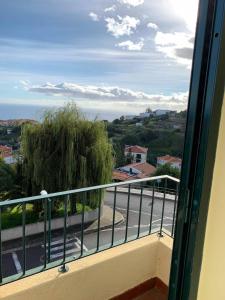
[(12, 258)]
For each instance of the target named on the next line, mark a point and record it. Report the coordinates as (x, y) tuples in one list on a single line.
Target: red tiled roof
[(5, 151), (170, 159), (136, 149), (145, 168), (121, 176), (5, 148)]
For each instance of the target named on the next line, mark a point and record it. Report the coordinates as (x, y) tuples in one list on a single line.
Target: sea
[(35, 112)]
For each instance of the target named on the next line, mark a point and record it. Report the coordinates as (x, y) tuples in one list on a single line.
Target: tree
[(10, 187), (119, 157), (7, 176), (64, 152), (167, 169)]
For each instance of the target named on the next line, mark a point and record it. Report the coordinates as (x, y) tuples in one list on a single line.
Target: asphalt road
[(12, 258)]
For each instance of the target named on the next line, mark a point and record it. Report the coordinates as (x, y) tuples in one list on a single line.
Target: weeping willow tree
[(64, 152)]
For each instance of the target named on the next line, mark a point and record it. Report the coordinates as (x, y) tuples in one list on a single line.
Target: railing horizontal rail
[(80, 190)]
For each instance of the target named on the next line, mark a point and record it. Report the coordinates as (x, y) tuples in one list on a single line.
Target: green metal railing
[(145, 205)]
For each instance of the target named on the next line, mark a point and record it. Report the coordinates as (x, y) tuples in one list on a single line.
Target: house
[(175, 162), (137, 153), (133, 171), (162, 112), (6, 153)]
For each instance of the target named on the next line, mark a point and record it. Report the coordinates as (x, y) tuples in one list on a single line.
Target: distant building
[(133, 171), (145, 115), (137, 153), (161, 112), (6, 153), (175, 162), (9, 131), (129, 117)]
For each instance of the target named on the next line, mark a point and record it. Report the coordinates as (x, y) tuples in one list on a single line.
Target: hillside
[(161, 134)]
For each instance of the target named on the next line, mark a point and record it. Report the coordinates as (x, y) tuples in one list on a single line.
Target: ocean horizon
[(35, 112)]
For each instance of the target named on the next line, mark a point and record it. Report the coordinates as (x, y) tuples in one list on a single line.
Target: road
[(12, 258)]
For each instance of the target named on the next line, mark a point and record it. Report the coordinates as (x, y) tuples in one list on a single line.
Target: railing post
[(174, 209), (99, 222), (24, 236), (114, 214), (49, 208), (151, 214), (84, 198), (63, 268), (163, 207), (128, 209), (140, 211)]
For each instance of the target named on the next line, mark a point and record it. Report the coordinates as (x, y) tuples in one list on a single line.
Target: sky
[(106, 55)]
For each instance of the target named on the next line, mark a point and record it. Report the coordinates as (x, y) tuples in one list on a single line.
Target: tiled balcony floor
[(153, 294)]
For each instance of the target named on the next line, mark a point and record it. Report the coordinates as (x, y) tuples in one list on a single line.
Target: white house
[(162, 112), (129, 117), (175, 162), (137, 153)]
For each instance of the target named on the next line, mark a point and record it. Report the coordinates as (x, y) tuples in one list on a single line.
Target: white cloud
[(177, 45), (131, 46), (94, 16), (152, 26), (108, 94), (125, 25), (110, 9), (132, 2)]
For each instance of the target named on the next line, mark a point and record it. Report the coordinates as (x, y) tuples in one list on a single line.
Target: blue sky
[(121, 55)]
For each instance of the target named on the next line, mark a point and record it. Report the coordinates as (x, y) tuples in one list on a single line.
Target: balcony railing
[(146, 206)]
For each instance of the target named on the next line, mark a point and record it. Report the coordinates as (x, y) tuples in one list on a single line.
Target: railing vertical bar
[(65, 228), (127, 216), (152, 208), (163, 207), (1, 277), (84, 197), (174, 209), (24, 236), (49, 228), (64, 268), (99, 220), (114, 215), (140, 211), (45, 230)]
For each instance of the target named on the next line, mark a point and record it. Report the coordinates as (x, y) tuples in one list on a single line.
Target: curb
[(138, 194)]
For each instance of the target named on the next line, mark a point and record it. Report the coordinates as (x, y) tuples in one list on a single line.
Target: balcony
[(121, 249)]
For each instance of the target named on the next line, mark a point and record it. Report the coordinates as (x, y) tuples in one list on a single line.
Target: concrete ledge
[(98, 277)]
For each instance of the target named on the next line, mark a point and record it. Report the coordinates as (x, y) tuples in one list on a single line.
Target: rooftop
[(136, 149), (170, 159)]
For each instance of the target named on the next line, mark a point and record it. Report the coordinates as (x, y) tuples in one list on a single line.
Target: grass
[(12, 217)]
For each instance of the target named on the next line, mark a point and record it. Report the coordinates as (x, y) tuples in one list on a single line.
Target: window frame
[(204, 111)]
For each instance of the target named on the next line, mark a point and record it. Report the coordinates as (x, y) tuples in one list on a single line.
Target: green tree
[(7, 176), (64, 152), (119, 157), (167, 169)]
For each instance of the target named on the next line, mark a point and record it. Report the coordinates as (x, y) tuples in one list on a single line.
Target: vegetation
[(167, 169), (161, 134), (12, 217), (64, 152)]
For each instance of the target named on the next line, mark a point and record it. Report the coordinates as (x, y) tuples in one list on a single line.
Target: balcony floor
[(153, 294)]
